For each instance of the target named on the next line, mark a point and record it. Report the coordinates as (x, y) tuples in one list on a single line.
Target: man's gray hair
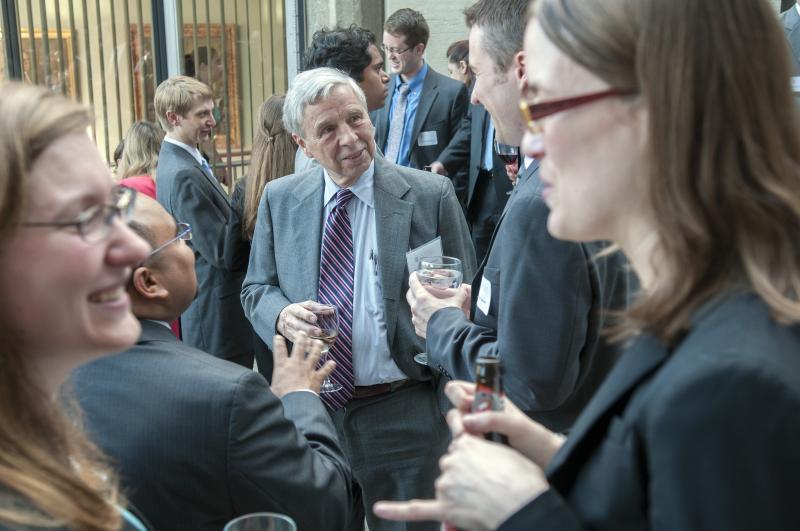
[(309, 88)]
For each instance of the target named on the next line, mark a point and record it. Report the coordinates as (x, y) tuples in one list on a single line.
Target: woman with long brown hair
[(139, 157), (272, 157), (65, 259), (669, 128)]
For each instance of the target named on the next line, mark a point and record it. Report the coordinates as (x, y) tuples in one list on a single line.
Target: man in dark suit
[(536, 302), (198, 440), (485, 187), (338, 234), (424, 108), (214, 323)]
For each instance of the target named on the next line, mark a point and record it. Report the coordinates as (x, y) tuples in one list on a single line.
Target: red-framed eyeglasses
[(533, 112)]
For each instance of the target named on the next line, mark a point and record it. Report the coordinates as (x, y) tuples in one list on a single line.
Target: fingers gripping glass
[(94, 224), (184, 232), (533, 112)]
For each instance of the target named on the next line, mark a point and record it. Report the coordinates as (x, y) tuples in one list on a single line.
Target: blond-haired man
[(189, 191)]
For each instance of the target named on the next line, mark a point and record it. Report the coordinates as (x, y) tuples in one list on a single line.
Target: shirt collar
[(162, 323), (191, 149), (362, 188), (416, 81)]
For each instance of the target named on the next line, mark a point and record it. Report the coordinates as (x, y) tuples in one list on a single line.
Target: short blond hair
[(179, 94)]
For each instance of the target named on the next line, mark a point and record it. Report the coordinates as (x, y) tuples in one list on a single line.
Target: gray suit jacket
[(411, 208), (547, 302), (791, 27), (442, 105), (698, 437), (199, 441), (215, 322)]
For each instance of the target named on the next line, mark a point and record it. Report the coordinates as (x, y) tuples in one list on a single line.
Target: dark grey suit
[(791, 27), (215, 322), (199, 440), (544, 317), (442, 105), (703, 436), (484, 193), (393, 441)]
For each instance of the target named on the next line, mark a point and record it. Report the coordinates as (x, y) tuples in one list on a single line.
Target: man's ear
[(519, 67), (420, 48), (302, 144), (173, 118), (147, 286)]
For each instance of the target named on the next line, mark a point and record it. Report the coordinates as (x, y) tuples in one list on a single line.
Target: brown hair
[(459, 51), (724, 144), (179, 94), (50, 474), (410, 24), (140, 152), (503, 25), (273, 157)]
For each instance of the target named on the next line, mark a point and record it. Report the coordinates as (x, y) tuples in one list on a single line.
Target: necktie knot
[(343, 197), (403, 89)]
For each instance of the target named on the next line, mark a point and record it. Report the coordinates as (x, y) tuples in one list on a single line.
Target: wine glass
[(261, 522), (328, 324), (440, 272), (508, 154)]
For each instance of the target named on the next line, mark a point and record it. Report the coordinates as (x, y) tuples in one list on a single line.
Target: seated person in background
[(199, 440), (273, 157), (139, 157), (354, 51), (66, 255)]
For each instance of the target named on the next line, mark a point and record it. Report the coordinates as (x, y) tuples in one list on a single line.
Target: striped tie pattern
[(396, 124), (336, 280)]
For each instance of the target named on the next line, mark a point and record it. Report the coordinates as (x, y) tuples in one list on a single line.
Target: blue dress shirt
[(412, 102)]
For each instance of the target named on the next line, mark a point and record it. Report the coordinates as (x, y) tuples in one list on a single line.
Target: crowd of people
[(636, 270)]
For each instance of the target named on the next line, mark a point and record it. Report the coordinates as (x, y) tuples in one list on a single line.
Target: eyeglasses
[(533, 112), (183, 232), (94, 224), (388, 50)]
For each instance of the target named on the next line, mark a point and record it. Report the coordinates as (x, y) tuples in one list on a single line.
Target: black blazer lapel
[(645, 356), (427, 98)]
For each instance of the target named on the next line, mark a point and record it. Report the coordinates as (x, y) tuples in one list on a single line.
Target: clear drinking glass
[(261, 522), (438, 272), (507, 153), (328, 323)]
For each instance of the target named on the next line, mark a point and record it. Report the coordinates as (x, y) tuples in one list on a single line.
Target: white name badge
[(484, 296), (427, 138), (796, 83)]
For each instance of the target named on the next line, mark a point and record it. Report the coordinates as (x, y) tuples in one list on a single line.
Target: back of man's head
[(346, 49), (503, 25), (165, 284), (179, 94), (409, 23)]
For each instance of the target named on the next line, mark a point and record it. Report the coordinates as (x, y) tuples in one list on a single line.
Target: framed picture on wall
[(205, 57), (56, 71)]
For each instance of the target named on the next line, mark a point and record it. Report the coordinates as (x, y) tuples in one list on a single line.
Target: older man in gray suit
[(187, 189), (339, 234)]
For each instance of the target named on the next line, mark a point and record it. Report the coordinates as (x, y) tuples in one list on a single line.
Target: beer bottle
[(489, 390)]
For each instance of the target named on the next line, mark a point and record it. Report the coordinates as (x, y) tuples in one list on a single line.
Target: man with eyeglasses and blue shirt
[(197, 440), (424, 108)]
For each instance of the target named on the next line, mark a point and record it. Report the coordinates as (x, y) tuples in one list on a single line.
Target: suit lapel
[(641, 360), (307, 229), (479, 125), (186, 156), (393, 227), (427, 97)]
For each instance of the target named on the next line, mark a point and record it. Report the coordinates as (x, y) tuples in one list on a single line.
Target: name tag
[(484, 296), (427, 138)]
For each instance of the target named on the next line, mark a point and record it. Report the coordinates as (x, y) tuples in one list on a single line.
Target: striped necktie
[(336, 280), (396, 125)]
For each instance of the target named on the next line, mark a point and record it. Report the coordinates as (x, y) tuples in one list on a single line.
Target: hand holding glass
[(328, 324), (440, 272)]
